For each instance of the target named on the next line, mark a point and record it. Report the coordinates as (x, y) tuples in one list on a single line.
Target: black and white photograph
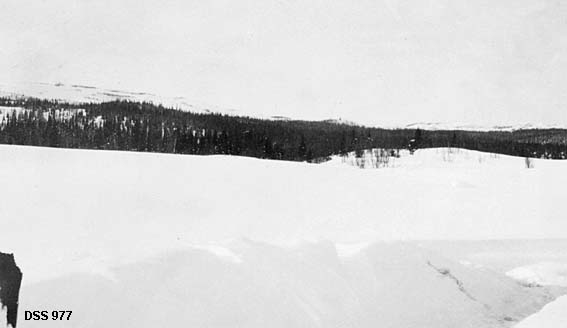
[(283, 163)]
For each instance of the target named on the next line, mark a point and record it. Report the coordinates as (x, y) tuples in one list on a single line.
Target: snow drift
[(553, 315), (542, 274), (137, 239), (383, 285)]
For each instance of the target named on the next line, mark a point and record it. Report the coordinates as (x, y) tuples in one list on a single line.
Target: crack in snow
[(447, 273)]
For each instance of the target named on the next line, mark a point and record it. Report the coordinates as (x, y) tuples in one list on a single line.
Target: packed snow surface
[(138, 239)]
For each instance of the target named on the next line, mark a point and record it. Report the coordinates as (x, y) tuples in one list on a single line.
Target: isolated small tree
[(416, 142), (382, 158), (529, 163), (359, 157)]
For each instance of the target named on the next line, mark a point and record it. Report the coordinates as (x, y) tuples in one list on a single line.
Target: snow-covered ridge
[(89, 94), (77, 93), (471, 127)]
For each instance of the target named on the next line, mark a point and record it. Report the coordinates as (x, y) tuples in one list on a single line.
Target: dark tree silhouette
[(133, 126)]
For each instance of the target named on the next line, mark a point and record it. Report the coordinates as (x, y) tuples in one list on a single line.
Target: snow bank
[(542, 274), (134, 239), (78, 205), (388, 285), (553, 315)]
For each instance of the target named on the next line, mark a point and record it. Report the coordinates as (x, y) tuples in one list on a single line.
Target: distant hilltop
[(78, 93), (471, 127), (147, 127)]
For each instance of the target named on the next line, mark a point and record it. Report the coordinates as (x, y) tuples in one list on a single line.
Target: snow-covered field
[(137, 239)]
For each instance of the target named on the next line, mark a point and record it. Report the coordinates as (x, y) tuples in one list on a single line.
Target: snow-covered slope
[(77, 93), (135, 239), (470, 127), (553, 315), (384, 285), (88, 94)]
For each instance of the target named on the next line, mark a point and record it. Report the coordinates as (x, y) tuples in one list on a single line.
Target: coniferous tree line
[(134, 126)]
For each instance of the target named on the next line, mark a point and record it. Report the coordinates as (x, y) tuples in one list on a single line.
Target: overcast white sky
[(375, 62)]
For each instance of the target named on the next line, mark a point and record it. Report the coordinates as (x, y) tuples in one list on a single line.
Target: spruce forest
[(146, 127)]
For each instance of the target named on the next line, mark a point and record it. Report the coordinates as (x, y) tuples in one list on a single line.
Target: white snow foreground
[(129, 239), (383, 285), (553, 315)]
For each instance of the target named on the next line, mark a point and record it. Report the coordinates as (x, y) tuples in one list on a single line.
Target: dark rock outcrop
[(10, 281)]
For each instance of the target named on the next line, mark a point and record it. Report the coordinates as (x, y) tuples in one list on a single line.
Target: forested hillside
[(123, 125)]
